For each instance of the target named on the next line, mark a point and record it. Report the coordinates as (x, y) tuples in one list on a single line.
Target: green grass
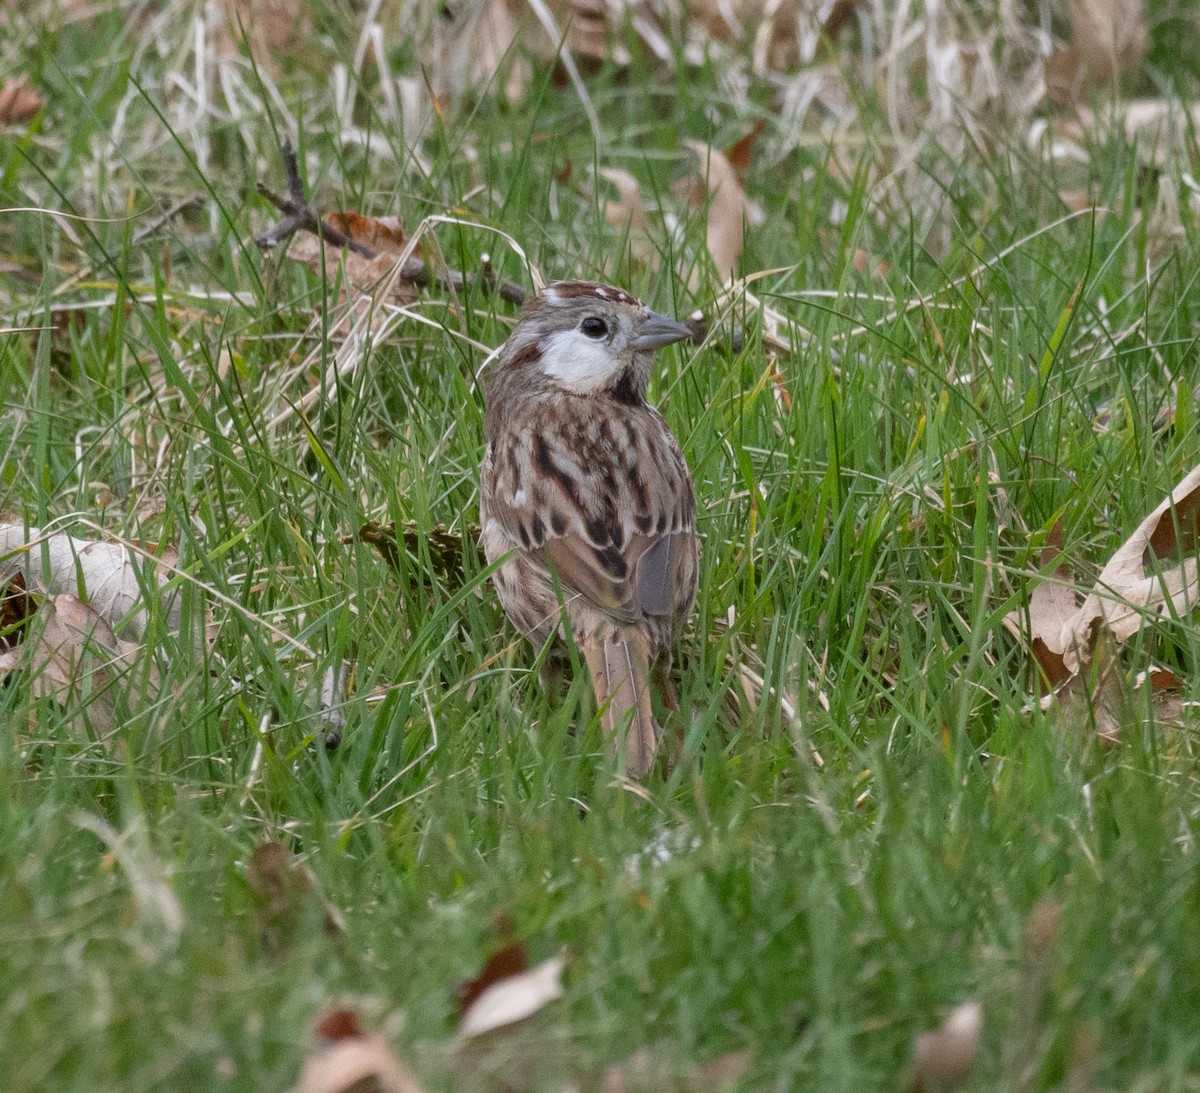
[(868, 541)]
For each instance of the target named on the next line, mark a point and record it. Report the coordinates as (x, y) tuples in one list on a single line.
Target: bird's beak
[(655, 331)]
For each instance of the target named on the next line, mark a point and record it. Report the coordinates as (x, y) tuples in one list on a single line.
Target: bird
[(587, 506)]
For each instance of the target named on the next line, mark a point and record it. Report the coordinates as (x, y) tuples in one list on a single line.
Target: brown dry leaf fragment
[(271, 28), (108, 574), (628, 212), (290, 903), (339, 1024), (740, 151), (628, 215), (384, 235), (19, 102), (717, 182), (942, 1059), (509, 961), (645, 1071), (1109, 37), (17, 607), (513, 999), (75, 659), (1153, 573), (470, 48), (1097, 696), (1052, 603), (348, 1060), (840, 16)]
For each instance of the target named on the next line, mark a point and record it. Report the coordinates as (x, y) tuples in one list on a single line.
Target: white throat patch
[(579, 363)]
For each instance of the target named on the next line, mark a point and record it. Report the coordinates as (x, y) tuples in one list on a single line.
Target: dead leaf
[(269, 27), (942, 1059), (17, 607), (1109, 37), (1052, 603), (290, 903), (349, 1060), (629, 217), (646, 1071), (384, 235), (19, 102), (1139, 580), (75, 659), (513, 999), (472, 46), (108, 575), (507, 962), (716, 182), (740, 151)]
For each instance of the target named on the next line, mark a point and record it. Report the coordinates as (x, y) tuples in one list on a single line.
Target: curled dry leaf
[(628, 215), (290, 902), (19, 102), (1052, 603), (108, 575), (513, 999), (1155, 572), (504, 964), (1108, 37), (270, 28), (942, 1059), (716, 182), (383, 235), (17, 607), (349, 1060), (75, 658)]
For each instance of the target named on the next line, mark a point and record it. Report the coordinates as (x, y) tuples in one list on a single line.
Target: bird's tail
[(619, 664)]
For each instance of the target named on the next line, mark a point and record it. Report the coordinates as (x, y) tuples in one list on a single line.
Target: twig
[(299, 216)]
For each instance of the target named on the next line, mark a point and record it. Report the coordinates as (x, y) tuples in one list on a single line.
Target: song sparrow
[(585, 493)]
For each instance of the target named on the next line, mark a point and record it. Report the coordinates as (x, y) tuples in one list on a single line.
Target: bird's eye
[(593, 327)]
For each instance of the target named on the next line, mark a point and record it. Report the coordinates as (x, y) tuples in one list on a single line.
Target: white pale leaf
[(514, 998)]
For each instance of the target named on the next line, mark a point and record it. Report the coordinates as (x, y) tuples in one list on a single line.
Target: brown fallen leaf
[(17, 607), (109, 575), (942, 1059), (628, 215), (269, 27), (741, 150), (1155, 572), (646, 1072), (290, 903), (347, 1059), (1109, 38), (503, 964), (74, 658), (19, 102), (383, 235), (1052, 603), (716, 182), (513, 999)]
